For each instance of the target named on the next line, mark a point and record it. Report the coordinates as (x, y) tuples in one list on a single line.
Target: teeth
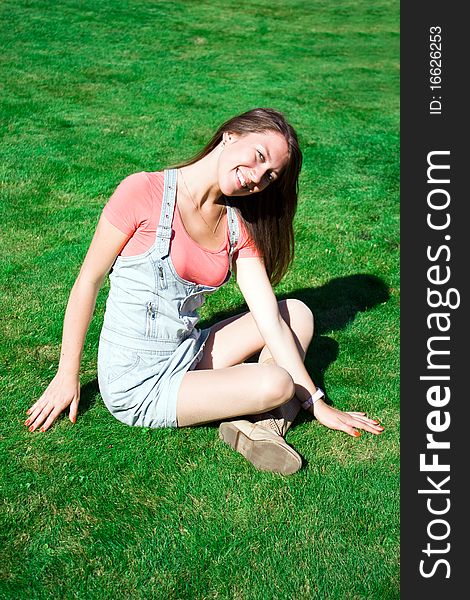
[(241, 180)]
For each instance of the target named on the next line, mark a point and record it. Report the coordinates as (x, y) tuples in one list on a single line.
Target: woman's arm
[(257, 291), (64, 389)]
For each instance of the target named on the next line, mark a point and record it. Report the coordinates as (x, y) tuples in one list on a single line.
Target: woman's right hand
[(63, 391)]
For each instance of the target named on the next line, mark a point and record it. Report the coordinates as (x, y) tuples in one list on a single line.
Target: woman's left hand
[(349, 422)]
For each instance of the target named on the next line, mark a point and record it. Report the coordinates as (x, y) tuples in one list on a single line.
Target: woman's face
[(249, 163)]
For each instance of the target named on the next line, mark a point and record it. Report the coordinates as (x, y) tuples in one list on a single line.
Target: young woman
[(170, 238)]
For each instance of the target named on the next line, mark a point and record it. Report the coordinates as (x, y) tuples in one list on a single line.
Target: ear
[(228, 137)]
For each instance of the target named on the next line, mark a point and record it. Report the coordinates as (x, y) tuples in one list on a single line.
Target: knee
[(277, 386), (300, 317)]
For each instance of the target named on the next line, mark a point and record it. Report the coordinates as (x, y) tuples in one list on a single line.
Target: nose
[(257, 174)]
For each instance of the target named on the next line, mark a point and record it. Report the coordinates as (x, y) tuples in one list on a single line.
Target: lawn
[(94, 91)]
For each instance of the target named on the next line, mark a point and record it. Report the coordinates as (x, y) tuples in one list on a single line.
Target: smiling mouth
[(242, 180)]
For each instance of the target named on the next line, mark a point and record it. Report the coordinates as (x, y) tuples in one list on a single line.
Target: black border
[(421, 133)]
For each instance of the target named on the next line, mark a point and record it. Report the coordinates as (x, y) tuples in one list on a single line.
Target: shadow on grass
[(334, 305), (88, 395)]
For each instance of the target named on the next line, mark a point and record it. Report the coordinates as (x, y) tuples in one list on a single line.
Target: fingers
[(31, 408), (366, 420), (51, 418), (62, 391), (354, 433), (368, 425), (362, 417), (348, 422), (73, 411), (375, 429), (357, 421), (351, 431), (38, 417), (46, 412), (39, 402), (35, 413)]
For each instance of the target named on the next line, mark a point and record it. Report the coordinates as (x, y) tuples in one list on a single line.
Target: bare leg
[(222, 388), (213, 395)]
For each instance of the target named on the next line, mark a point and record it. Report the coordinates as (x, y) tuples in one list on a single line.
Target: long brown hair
[(269, 217)]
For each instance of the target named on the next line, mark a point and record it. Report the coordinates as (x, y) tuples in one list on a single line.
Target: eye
[(269, 176), (261, 155)]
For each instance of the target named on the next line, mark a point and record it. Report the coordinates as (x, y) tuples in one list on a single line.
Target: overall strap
[(164, 230), (233, 229)]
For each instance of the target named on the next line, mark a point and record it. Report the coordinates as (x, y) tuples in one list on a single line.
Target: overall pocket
[(115, 362)]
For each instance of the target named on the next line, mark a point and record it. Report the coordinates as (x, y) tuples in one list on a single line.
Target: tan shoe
[(261, 446), (279, 419)]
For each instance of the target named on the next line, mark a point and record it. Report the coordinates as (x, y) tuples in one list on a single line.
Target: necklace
[(198, 209)]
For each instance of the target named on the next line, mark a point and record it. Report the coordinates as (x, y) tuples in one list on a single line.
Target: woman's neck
[(201, 179)]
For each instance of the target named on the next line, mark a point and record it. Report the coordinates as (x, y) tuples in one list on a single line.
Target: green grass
[(93, 91)]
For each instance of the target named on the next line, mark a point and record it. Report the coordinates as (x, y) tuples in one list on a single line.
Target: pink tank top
[(135, 208)]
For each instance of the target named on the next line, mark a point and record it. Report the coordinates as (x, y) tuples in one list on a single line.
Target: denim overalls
[(149, 338)]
